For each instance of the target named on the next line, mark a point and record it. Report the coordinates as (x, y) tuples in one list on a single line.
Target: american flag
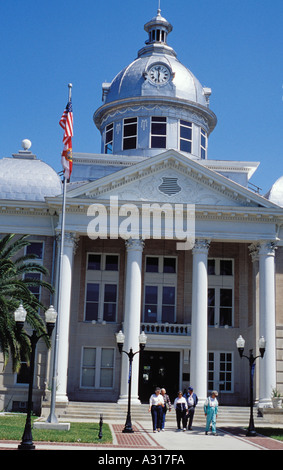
[(66, 122)]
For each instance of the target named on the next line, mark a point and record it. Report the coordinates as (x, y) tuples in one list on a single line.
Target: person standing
[(181, 407), (211, 411), (156, 403), (167, 406), (192, 401)]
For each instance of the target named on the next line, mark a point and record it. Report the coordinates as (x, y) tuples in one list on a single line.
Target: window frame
[(97, 368), (189, 125), (38, 261), (220, 282), (163, 121), (102, 277), (131, 136), (214, 359), (108, 145), (203, 148), (160, 280)]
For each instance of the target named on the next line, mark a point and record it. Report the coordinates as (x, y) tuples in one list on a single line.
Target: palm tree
[(15, 288)]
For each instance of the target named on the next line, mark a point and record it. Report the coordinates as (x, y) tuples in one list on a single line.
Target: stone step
[(76, 411)]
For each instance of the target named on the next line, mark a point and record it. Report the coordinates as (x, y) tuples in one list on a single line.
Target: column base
[(62, 399), (123, 400), (265, 403), (201, 402)]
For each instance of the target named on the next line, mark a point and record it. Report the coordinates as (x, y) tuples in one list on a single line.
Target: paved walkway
[(144, 440)]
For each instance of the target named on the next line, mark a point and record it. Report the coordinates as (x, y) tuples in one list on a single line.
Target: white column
[(267, 325), (132, 318), (64, 303), (198, 367)]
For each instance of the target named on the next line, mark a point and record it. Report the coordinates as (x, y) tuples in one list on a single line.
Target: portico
[(217, 225)]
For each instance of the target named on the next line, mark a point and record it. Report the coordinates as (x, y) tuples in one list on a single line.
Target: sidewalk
[(143, 439)]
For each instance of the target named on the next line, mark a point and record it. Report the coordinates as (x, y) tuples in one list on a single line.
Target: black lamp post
[(50, 319), (120, 338), (241, 346)]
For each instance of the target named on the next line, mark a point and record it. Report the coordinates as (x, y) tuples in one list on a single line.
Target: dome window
[(108, 148), (158, 132), (130, 131), (203, 144), (186, 136)]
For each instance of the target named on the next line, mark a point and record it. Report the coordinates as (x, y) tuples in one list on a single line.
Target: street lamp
[(50, 319), (120, 338), (241, 346)]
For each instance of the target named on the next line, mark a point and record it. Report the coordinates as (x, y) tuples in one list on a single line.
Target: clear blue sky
[(234, 47)]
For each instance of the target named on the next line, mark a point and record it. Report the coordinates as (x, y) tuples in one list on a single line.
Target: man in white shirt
[(192, 401)]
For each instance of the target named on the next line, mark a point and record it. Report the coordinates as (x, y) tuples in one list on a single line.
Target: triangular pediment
[(170, 177)]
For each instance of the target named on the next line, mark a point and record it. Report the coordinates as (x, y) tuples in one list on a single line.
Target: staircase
[(82, 411)]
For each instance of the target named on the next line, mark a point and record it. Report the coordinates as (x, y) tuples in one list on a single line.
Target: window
[(151, 303), (108, 148), (23, 375), (158, 132), (92, 302), (186, 136), (203, 143), (220, 292), (106, 368), (111, 262), (101, 297), (160, 289), (225, 372), (220, 306), (88, 367), (168, 304), (110, 302), (35, 290), (155, 264), (220, 371), (97, 367), (94, 262), (37, 249), (130, 133)]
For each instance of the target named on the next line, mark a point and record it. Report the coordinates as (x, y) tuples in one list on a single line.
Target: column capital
[(201, 246), (253, 249), (71, 240), (266, 248), (262, 248), (134, 244)]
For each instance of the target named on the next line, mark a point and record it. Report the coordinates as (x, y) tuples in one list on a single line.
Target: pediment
[(170, 177)]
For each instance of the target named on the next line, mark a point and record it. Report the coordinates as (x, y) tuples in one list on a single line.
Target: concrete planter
[(277, 402)]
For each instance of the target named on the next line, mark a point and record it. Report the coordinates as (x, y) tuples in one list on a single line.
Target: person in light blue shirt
[(211, 411)]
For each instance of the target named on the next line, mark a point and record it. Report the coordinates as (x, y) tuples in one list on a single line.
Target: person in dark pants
[(156, 403), (192, 401), (167, 406), (181, 407)]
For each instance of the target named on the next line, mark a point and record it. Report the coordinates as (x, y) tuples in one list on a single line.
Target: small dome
[(27, 179), (275, 194)]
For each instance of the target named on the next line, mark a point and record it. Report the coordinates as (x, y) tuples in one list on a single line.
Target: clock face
[(159, 74)]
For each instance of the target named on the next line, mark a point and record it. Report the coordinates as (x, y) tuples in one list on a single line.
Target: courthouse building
[(193, 296)]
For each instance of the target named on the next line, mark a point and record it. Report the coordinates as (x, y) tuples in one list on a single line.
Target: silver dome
[(131, 82)]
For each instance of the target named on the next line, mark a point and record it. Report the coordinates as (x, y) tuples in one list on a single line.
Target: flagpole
[(52, 418)]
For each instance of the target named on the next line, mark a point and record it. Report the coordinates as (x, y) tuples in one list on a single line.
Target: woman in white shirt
[(181, 407), (156, 403)]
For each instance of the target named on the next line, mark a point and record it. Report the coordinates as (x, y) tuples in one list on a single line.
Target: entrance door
[(158, 369)]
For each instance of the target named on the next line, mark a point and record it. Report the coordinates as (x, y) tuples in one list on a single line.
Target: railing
[(166, 329)]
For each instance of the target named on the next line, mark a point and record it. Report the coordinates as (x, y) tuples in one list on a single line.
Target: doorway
[(158, 369)]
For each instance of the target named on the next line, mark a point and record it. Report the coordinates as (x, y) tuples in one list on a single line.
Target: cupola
[(155, 103)]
